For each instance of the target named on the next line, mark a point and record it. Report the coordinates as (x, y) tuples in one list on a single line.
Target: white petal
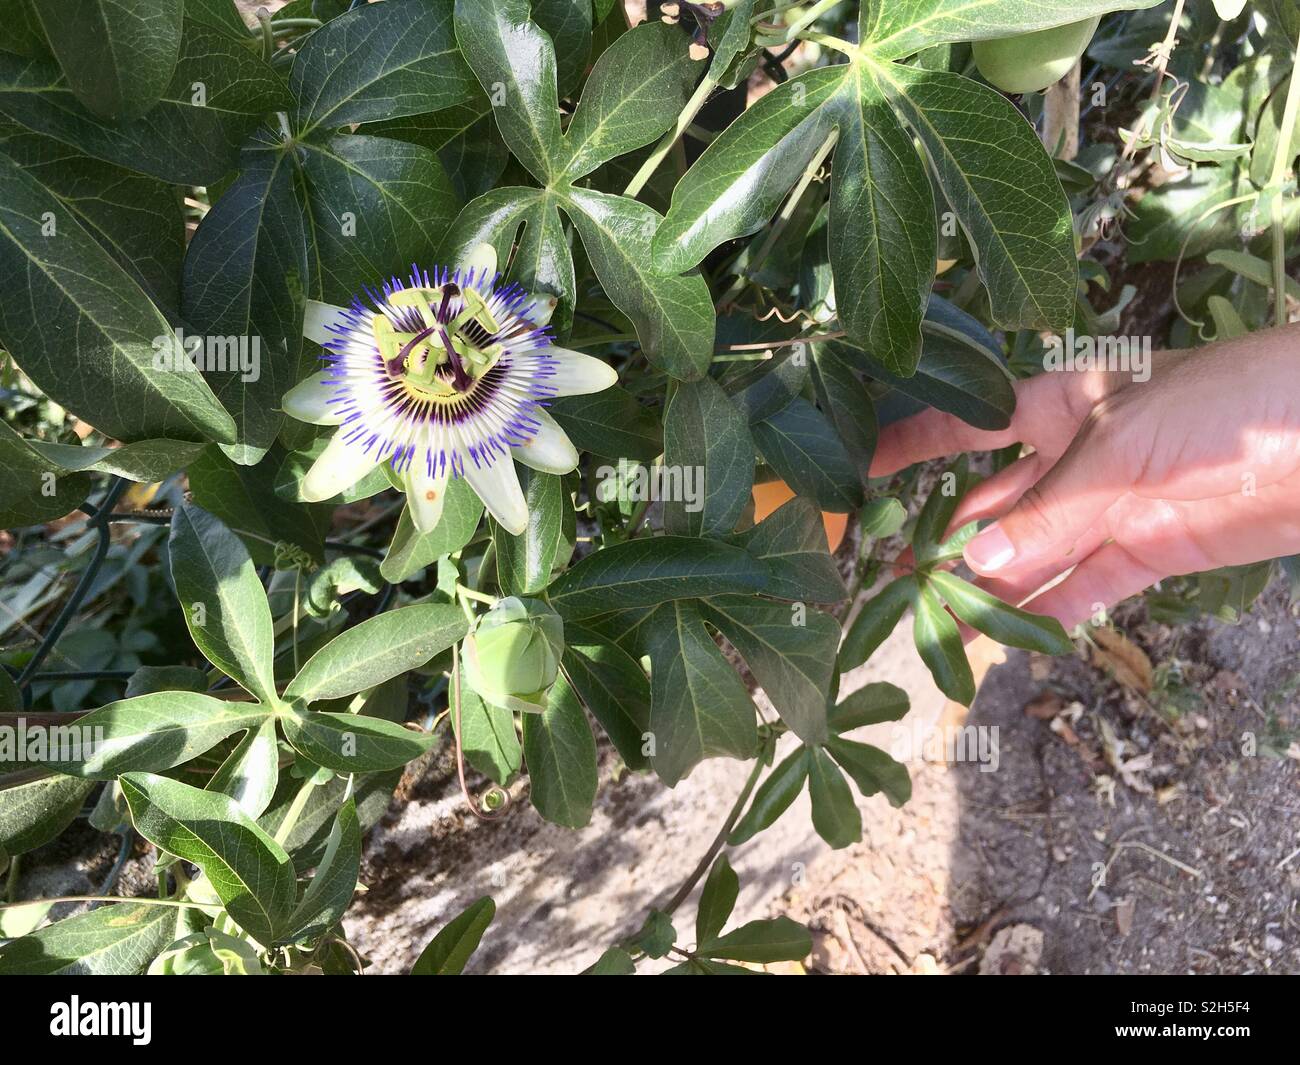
[(498, 486), (308, 401), (550, 450), (538, 309), (577, 374), (316, 319), (482, 259), (424, 495), (340, 466)]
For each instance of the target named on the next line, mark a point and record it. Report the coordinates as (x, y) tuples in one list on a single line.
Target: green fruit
[(1030, 62), (513, 655)]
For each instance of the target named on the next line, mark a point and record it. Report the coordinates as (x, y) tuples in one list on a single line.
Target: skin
[(1130, 482)]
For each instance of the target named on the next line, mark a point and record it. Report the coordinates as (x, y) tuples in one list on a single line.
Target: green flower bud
[(209, 953), (513, 655)]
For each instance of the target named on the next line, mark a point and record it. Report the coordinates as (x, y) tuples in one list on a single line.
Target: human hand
[(1130, 482)]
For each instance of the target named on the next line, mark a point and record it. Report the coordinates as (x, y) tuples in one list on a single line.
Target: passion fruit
[(1030, 62)]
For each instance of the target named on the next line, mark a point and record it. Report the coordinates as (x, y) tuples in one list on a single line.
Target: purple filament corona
[(483, 418)]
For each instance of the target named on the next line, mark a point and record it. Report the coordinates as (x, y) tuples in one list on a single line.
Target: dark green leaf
[(152, 732), (799, 443), (792, 542), (75, 288), (707, 441), (882, 227), (613, 686), (488, 737), (936, 515), (118, 55), (654, 570), (249, 871), (116, 940), (350, 743), (377, 649), (514, 60), (673, 316), (412, 551), (244, 498), (698, 706), (741, 178), (636, 91), (773, 797), (136, 219), (872, 770), (525, 562), (939, 643), (568, 24), (33, 812), (875, 622), (379, 61), (717, 900), (1005, 623), (779, 939), (451, 948), (614, 962), (611, 424), (560, 753), (245, 281), (330, 891), (1003, 188), (789, 649), (218, 93), (224, 604), (835, 816), (869, 705), (376, 206)]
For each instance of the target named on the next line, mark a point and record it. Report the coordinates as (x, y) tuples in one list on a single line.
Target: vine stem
[(98, 522), (808, 18), (143, 901), (774, 234), (665, 145), (720, 840), (1161, 65)]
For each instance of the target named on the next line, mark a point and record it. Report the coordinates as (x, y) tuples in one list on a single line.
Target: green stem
[(143, 901), (719, 841), (477, 596), (294, 812), (783, 219), (665, 145), (808, 18), (268, 35)]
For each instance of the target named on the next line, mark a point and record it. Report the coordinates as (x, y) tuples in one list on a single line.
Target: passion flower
[(1030, 62), (513, 655), (442, 376)]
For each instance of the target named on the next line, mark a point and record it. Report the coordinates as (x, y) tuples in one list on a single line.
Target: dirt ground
[(1113, 837)]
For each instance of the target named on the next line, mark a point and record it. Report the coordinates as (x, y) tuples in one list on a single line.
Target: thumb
[(1047, 521)]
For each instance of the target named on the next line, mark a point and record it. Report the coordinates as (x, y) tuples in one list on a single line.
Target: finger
[(1049, 410), (1054, 513), (1107, 576), (994, 497)]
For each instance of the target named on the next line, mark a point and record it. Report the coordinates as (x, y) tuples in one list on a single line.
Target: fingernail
[(990, 550)]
